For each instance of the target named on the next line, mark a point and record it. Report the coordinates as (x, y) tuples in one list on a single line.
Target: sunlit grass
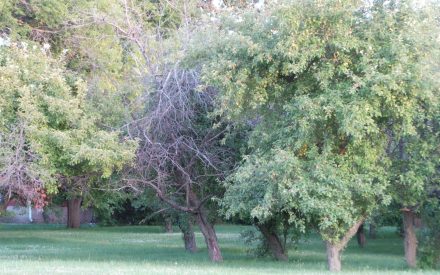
[(48, 249)]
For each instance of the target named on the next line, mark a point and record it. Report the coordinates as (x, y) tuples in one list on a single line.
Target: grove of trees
[(292, 116)]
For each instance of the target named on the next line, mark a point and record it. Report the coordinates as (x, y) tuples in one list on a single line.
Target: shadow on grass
[(139, 244)]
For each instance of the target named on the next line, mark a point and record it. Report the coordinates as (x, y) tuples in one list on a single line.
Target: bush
[(429, 249)]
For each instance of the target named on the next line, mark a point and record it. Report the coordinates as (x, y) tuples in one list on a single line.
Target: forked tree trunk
[(189, 237), (360, 234), (206, 227), (273, 242), (334, 250), (333, 257), (168, 225), (372, 231), (210, 237), (74, 213), (410, 238)]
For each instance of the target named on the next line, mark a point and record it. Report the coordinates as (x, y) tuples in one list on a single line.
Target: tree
[(252, 196), (87, 51), (409, 46), (324, 88), (180, 151), (21, 174), (60, 124), (180, 154), (34, 20)]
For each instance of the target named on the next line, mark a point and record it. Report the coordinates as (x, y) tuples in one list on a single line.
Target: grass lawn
[(50, 249)]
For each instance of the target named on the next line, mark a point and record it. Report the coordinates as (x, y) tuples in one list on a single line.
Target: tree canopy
[(331, 85)]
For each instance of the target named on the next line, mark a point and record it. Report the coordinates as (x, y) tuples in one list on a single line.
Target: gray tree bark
[(410, 241), (210, 237), (168, 225), (334, 249), (189, 238), (333, 257)]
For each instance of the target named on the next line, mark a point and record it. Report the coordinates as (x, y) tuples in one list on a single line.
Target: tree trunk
[(210, 237), (206, 227), (4, 206), (189, 237), (410, 238), (273, 242), (6, 199), (334, 249), (360, 234), (372, 231), (333, 257), (74, 213), (168, 225)]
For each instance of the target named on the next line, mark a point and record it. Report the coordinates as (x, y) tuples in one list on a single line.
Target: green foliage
[(389, 215), (61, 125), (51, 211), (430, 236), (39, 20), (413, 144), (327, 82), (258, 245), (15, 150), (105, 204)]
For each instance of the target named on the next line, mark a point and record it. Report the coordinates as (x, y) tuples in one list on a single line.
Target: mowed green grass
[(49, 249)]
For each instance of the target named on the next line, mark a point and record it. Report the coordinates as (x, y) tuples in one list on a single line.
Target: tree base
[(74, 213), (410, 241)]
